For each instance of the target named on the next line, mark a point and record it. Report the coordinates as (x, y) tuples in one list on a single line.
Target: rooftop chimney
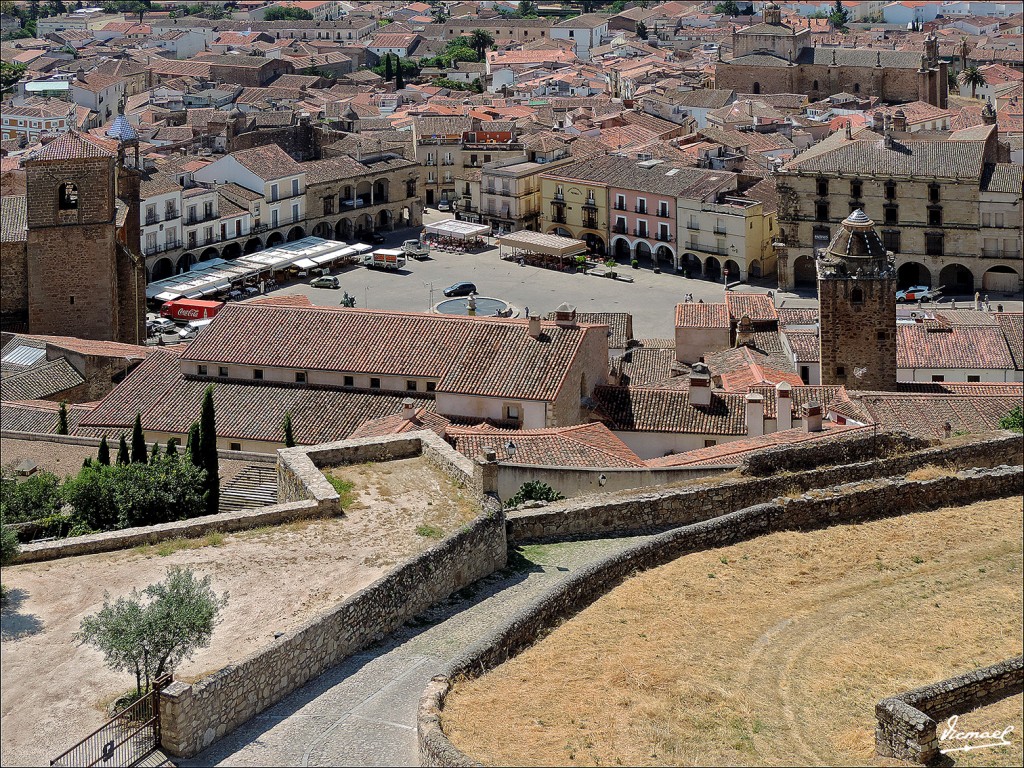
[(745, 332), (565, 316), (700, 385), (812, 416), (755, 415), (899, 121), (408, 409), (534, 326), (784, 405)]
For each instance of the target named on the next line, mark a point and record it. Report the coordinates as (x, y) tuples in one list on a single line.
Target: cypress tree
[(208, 450), (62, 418), (154, 454), (139, 453), (87, 462), (192, 446), (389, 73), (123, 457), (289, 436), (399, 78), (103, 456), (172, 446)]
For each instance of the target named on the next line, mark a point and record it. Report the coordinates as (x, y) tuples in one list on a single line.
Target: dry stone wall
[(841, 449), (906, 724), (658, 510), (194, 716), (847, 503)]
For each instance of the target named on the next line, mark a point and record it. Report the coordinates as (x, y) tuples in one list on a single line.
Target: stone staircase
[(254, 486)]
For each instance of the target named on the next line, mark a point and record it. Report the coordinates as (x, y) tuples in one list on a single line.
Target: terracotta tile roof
[(49, 378), (958, 346), (642, 367), (768, 341), (974, 389), (697, 315), (13, 219), (267, 162), (481, 356), (757, 306), (797, 316), (806, 346), (70, 146), (168, 402), (397, 423), (634, 409), (583, 445), (290, 300), (90, 346), (926, 415), (828, 397), (732, 453), (39, 416), (620, 325), (1012, 326)]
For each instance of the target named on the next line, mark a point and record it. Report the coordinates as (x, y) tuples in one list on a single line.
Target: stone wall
[(194, 716), (848, 503), (14, 281), (906, 724), (580, 481), (658, 510), (841, 449)]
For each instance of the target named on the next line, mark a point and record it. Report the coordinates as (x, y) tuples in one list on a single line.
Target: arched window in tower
[(757, 88), (67, 196), (856, 87), (857, 296)]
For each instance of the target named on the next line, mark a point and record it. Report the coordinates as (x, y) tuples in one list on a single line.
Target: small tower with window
[(857, 295)]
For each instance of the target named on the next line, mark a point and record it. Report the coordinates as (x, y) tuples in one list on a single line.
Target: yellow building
[(574, 208)]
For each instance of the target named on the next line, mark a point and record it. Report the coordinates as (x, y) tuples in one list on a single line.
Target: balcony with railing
[(171, 246), (999, 253), (664, 237), (201, 218), (560, 197), (719, 230), (641, 208), (152, 218), (693, 225), (640, 232), (590, 203), (619, 206), (664, 213), (589, 222), (620, 229), (713, 249)]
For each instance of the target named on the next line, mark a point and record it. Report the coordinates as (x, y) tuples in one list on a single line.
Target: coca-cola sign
[(184, 312)]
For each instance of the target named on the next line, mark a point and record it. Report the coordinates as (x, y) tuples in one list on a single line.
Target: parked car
[(327, 281), (460, 289), (376, 238), (160, 325), (916, 293), (444, 205)]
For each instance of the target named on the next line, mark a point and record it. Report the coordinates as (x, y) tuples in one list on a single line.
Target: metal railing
[(126, 739), (161, 248)]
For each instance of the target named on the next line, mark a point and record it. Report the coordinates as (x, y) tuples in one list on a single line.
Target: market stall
[(455, 235), (538, 249)]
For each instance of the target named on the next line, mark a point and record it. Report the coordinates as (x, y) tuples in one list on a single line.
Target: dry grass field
[(769, 652)]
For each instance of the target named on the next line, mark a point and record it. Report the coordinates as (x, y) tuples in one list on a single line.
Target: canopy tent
[(458, 230), (538, 242)]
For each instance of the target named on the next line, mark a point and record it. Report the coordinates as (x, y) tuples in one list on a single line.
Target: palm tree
[(962, 50), (973, 77), (480, 41)]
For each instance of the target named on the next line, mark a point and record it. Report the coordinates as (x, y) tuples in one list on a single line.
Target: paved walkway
[(363, 712)]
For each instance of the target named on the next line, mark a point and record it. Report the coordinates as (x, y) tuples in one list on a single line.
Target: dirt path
[(54, 691)]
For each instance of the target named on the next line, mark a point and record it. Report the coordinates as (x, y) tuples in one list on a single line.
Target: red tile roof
[(474, 356), (635, 409), (697, 315), (757, 306), (927, 415), (70, 146), (583, 445), (976, 347), (397, 423)]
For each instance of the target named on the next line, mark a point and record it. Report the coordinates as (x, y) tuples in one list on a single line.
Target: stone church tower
[(84, 273), (857, 295)]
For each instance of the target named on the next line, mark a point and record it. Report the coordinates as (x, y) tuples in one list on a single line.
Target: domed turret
[(855, 250)]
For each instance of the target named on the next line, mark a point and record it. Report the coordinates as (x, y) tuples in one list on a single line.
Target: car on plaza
[(326, 281), (916, 293), (376, 238), (444, 205), (459, 289), (160, 325)]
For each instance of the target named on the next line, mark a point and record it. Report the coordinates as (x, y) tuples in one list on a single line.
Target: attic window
[(68, 196)]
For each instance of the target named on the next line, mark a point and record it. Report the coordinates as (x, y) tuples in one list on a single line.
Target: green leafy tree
[(527, 9), (154, 453), (480, 40), (139, 453), (389, 73), (34, 498), (276, 13), (839, 16), (59, 7), (103, 455), (534, 490), (9, 546), (150, 633), (1014, 420), (208, 449), (193, 446), (729, 8), (10, 74), (641, 30), (973, 77), (289, 435), (123, 456), (62, 418)]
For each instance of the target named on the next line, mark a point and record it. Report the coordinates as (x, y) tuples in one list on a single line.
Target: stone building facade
[(857, 299), (773, 57), (84, 275), (946, 206)]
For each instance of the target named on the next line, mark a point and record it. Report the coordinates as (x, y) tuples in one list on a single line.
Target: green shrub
[(1014, 420), (31, 499), (534, 490)]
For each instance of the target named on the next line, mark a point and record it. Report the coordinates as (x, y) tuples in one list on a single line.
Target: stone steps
[(255, 486)]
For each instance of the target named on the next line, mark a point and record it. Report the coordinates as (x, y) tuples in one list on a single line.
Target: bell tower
[(857, 296)]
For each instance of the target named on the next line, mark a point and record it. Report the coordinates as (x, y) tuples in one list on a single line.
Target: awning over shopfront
[(538, 242)]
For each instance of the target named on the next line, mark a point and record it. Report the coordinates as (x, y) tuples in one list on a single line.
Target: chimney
[(534, 326), (784, 406), (565, 316), (408, 409), (812, 416), (700, 385), (755, 415), (899, 121), (745, 332), (877, 122)]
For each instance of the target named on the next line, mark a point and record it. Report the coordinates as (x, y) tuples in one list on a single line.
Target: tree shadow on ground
[(14, 625)]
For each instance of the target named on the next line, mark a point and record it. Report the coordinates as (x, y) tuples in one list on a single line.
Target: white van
[(193, 328)]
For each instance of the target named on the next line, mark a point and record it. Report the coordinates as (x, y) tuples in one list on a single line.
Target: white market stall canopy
[(206, 278), (538, 242), (458, 230)]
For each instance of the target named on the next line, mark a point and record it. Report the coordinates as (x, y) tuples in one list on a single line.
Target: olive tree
[(149, 633)]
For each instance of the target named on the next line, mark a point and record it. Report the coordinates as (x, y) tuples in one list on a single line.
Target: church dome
[(856, 249)]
